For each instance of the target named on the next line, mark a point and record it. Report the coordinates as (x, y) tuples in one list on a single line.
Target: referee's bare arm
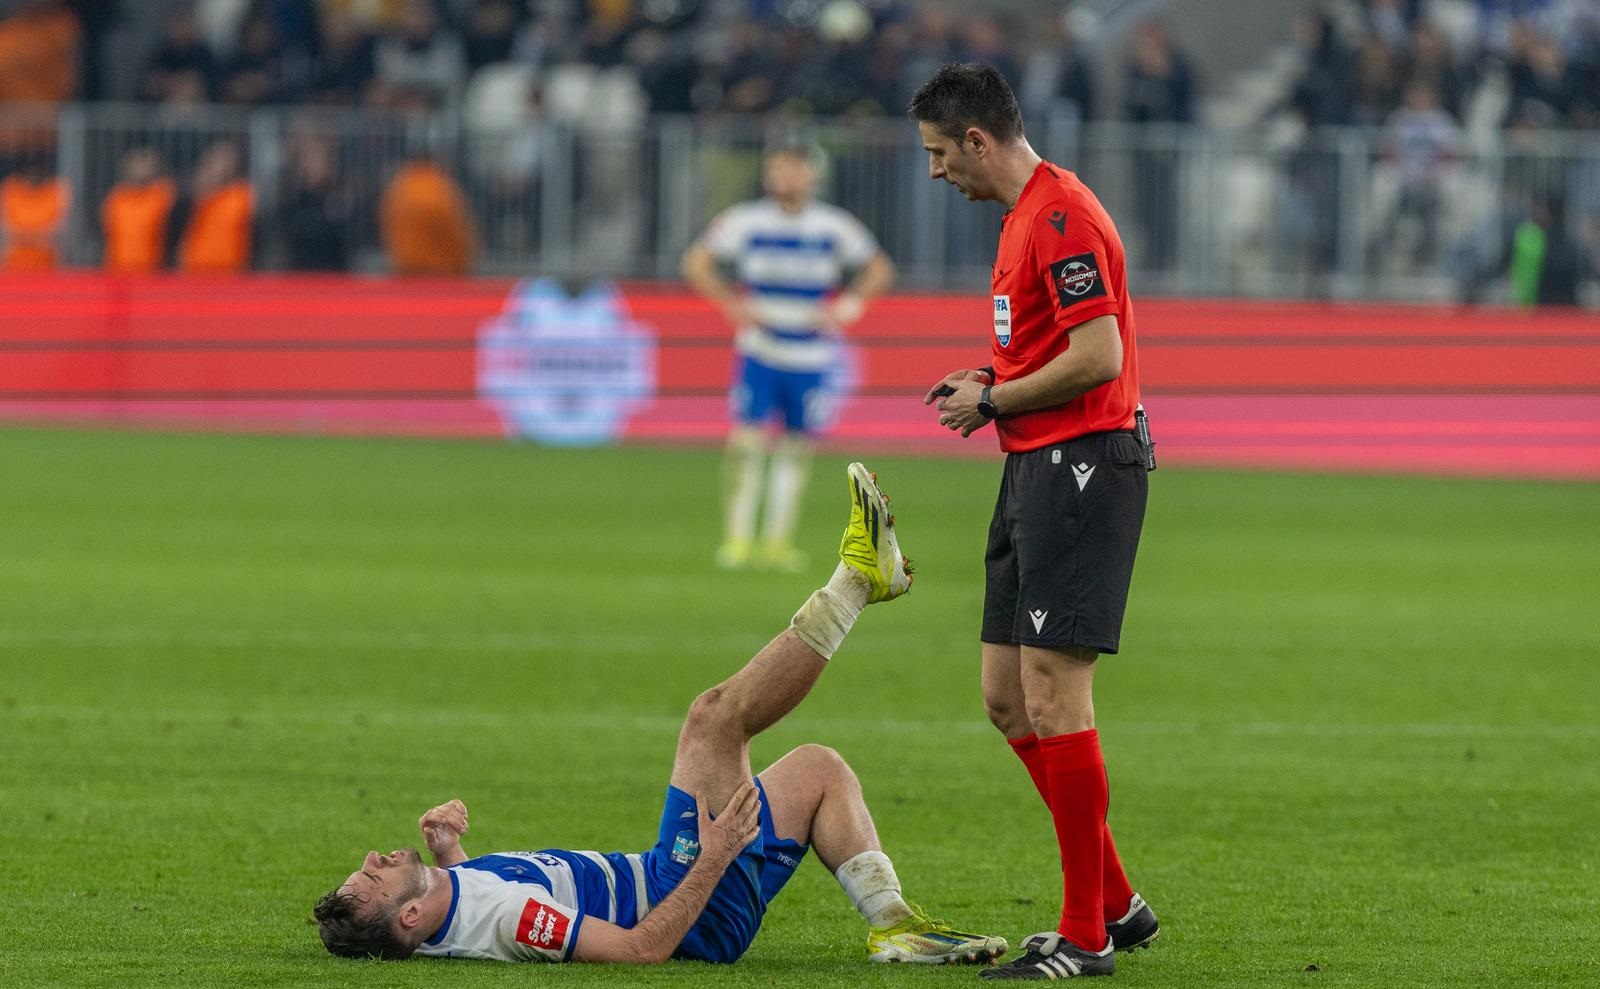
[(1093, 358)]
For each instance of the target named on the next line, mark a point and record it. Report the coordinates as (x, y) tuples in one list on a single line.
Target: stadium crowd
[(1428, 74)]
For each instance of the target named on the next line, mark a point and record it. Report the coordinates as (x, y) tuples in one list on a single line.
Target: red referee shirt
[(1060, 263)]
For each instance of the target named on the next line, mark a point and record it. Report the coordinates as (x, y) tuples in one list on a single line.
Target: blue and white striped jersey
[(791, 265), (529, 906)]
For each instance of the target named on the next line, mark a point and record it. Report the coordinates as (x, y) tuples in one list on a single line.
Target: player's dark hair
[(968, 94), (346, 933)]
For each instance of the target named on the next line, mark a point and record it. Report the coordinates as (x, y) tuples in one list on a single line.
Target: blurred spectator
[(933, 43), (833, 80), (1159, 89), (33, 211), (986, 40), (346, 60), (748, 78), (1160, 85), (667, 71), (1421, 143), (1431, 62), (316, 209), (427, 228), (181, 60), (218, 214), (1321, 97), (39, 53), (255, 71), (370, 15), (607, 26), (491, 30), (1057, 78), (420, 56), (1375, 92), (1391, 20), (95, 19), (1539, 75), (134, 215)]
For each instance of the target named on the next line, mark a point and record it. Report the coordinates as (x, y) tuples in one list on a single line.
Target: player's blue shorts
[(734, 913), (760, 391)]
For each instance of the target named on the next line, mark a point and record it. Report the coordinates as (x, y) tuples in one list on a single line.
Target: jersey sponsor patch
[(543, 926), (1002, 319), (1077, 278)]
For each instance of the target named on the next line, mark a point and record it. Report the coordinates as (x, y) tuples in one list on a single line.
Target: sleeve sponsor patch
[(1077, 279), (543, 926)]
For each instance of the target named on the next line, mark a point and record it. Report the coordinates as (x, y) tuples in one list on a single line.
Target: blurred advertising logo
[(567, 370)]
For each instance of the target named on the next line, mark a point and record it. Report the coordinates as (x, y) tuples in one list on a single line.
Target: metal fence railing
[(1203, 212)]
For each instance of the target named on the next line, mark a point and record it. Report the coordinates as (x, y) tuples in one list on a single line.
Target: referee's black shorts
[(1062, 543)]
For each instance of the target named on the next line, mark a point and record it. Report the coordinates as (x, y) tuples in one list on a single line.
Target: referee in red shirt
[(1062, 393)]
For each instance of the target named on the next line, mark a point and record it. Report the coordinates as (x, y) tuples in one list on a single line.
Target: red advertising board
[(1479, 391)]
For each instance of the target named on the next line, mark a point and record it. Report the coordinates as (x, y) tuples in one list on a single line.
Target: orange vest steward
[(426, 230), (134, 218), (30, 217), (217, 239)]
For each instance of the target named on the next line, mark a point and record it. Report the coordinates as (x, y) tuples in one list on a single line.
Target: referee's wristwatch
[(985, 406)]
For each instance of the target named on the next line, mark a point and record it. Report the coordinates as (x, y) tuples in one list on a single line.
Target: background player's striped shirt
[(790, 265), (529, 906)]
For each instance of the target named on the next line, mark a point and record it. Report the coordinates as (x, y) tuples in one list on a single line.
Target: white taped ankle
[(870, 882)]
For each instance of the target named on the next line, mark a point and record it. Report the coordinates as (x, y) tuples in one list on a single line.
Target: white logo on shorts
[(1038, 620), (1081, 474)]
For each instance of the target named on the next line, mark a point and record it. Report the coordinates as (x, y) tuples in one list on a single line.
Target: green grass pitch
[(1354, 734)]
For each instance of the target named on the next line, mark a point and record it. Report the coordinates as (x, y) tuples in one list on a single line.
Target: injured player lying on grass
[(702, 890)]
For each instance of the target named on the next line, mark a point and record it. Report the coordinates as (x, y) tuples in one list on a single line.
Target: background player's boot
[(1051, 956), (869, 544), (1137, 928), (782, 557), (735, 554), (920, 938)]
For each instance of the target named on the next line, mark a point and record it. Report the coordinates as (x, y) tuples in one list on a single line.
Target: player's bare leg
[(816, 799), (713, 748)]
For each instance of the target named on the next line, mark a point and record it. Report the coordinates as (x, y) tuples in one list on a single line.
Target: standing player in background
[(1063, 393), (788, 302)]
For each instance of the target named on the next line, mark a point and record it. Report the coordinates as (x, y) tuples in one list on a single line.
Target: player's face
[(789, 179), (391, 880), (948, 160)]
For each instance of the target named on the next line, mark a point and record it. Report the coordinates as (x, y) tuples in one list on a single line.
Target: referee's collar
[(1044, 167)]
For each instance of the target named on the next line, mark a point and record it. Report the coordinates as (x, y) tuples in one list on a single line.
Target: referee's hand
[(957, 397), (951, 380)]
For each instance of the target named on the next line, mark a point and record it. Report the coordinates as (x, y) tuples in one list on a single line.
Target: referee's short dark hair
[(968, 94)]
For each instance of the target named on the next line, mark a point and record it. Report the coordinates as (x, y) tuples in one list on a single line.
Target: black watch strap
[(986, 405)]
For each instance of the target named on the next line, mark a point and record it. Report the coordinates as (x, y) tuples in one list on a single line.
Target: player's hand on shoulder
[(443, 826), (736, 825)]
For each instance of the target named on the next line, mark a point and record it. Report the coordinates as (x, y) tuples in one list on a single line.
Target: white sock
[(824, 620), (741, 489), (870, 882), (786, 483)]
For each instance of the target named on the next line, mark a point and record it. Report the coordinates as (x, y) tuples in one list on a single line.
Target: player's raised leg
[(713, 748), (817, 800)]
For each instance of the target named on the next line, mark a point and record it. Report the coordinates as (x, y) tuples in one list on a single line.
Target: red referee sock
[(1115, 891), (1072, 766)]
